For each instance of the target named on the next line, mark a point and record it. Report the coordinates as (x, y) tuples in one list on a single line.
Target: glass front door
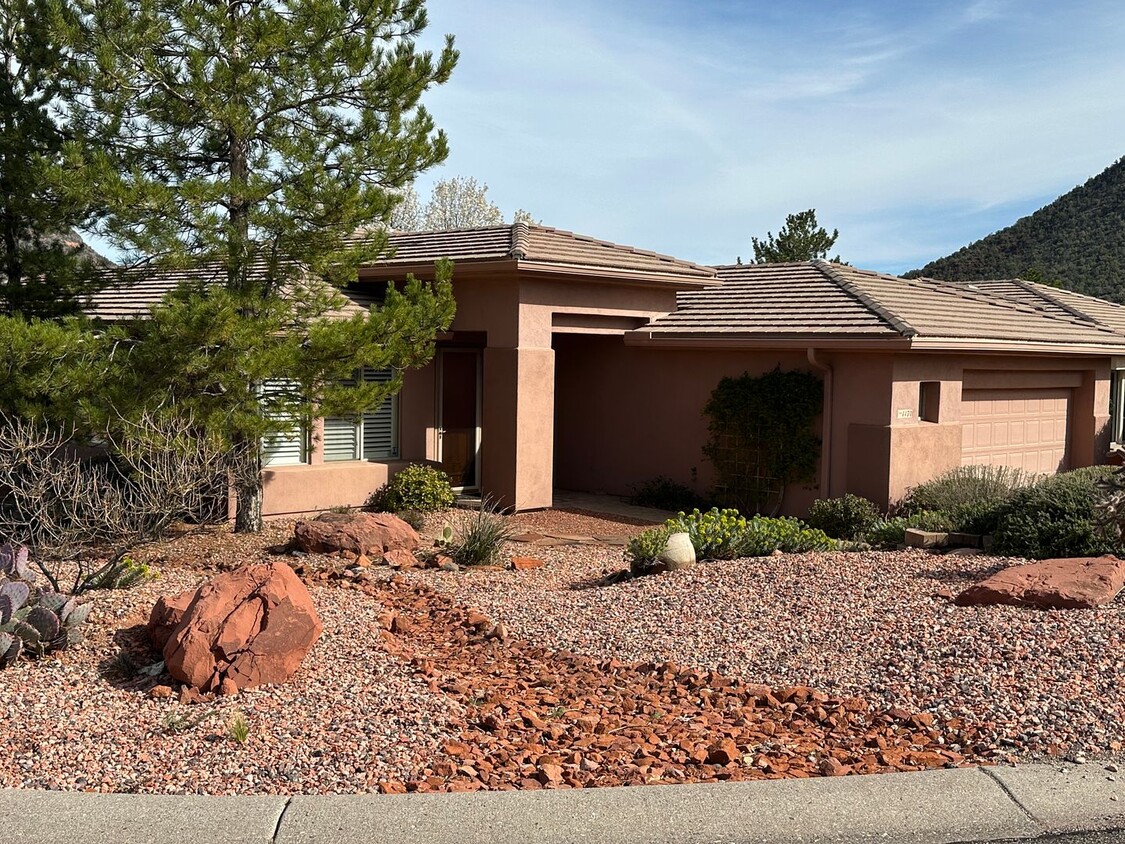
[(459, 416)]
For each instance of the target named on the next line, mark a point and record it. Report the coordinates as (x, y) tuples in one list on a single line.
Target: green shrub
[(725, 534), (121, 573), (762, 536), (843, 518), (664, 493), (478, 538), (642, 551), (973, 496), (890, 533), (417, 487), (415, 518), (1054, 518)]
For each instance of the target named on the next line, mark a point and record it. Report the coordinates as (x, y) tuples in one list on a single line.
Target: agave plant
[(33, 620)]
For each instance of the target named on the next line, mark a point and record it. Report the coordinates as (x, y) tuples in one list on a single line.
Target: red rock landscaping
[(370, 534), (535, 718), (1076, 583), (242, 629)]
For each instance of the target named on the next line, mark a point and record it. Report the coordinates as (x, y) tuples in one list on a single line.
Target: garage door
[(1026, 429)]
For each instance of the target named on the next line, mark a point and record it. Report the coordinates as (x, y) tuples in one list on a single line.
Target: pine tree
[(43, 268), (256, 138), (800, 239)]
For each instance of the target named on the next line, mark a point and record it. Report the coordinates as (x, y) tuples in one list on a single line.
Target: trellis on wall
[(761, 437)]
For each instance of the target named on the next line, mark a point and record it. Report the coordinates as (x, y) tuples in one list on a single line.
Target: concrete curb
[(946, 806)]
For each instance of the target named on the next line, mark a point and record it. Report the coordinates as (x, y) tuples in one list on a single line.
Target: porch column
[(518, 426)]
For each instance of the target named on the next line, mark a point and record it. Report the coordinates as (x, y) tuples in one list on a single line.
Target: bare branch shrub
[(70, 502)]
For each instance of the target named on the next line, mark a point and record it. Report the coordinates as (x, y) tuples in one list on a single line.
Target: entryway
[(459, 412)]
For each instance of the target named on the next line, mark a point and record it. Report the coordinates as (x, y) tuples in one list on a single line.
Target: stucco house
[(578, 364)]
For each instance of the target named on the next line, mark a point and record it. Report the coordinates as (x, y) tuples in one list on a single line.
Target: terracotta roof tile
[(819, 299)]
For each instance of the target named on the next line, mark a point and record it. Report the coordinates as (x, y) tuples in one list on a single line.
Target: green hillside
[(1078, 242)]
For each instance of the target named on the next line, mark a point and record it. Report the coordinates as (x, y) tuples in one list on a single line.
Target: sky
[(688, 127)]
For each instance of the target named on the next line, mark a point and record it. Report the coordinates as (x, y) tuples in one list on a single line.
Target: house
[(578, 364)]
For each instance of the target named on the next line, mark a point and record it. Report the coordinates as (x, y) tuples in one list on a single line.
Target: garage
[(1024, 428)]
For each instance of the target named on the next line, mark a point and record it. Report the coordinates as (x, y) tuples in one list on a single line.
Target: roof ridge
[(965, 291), (520, 244), (622, 247), (1042, 294), (894, 320)]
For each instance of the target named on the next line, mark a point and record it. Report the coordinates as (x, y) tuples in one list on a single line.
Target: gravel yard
[(369, 710)]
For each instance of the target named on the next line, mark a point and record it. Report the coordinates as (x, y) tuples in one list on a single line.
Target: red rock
[(475, 618), (830, 767), (227, 687), (723, 753), (392, 787), (160, 691), (253, 625), (526, 563), (1073, 583), (370, 534), (550, 774), (401, 559), (166, 615), (188, 695), (497, 631)]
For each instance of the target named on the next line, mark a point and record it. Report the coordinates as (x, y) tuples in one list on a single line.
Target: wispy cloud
[(689, 129)]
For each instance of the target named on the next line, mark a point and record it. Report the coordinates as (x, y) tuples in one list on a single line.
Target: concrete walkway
[(962, 805)]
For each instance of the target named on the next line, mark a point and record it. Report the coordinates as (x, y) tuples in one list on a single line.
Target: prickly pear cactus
[(33, 621)]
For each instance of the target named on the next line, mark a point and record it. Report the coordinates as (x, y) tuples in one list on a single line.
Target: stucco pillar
[(518, 436), (1089, 419)]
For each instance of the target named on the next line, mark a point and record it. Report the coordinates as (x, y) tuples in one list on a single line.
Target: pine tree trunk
[(247, 485), (248, 516)]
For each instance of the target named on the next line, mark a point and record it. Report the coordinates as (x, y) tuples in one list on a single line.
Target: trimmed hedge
[(847, 517)]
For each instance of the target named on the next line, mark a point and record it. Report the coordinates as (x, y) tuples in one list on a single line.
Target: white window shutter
[(286, 449), (380, 426)]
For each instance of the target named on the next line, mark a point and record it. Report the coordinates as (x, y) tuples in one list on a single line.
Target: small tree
[(44, 267), (800, 239), (250, 141), (457, 203)]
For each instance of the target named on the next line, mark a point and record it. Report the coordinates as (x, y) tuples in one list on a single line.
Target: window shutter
[(341, 439), (282, 449), (380, 426)]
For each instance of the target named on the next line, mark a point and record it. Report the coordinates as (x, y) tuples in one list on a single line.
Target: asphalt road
[(1116, 836)]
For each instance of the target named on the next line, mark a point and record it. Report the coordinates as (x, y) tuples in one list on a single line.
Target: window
[(283, 449), (374, 436), (929, 401), (1117, 405)]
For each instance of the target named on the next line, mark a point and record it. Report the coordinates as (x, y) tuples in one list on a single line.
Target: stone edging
[(967, 804)]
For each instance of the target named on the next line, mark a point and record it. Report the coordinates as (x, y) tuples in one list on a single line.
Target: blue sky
[(914, 128)]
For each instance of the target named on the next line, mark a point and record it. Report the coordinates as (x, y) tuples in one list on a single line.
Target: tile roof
[(138, 290), (818, 299), (536, 244), (530, 244)]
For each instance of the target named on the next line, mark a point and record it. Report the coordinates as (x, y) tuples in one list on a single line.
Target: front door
[(459, 416)]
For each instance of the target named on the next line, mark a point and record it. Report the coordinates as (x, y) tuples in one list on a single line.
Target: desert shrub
[(762, 536), (415, 518), (122, 573), (417, 487), (643, 550), (1055, 518), (891, 532), (478, 537), (725, 534), (1109, 508), (971, 495), (843, 518), (33, 621), (665, 494)]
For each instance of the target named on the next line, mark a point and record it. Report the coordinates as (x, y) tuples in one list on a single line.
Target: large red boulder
[(242, 629), (370, 534), (167, 614), (1075, 583)]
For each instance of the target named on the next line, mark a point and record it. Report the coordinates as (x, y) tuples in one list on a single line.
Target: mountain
[(1076, 242)]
